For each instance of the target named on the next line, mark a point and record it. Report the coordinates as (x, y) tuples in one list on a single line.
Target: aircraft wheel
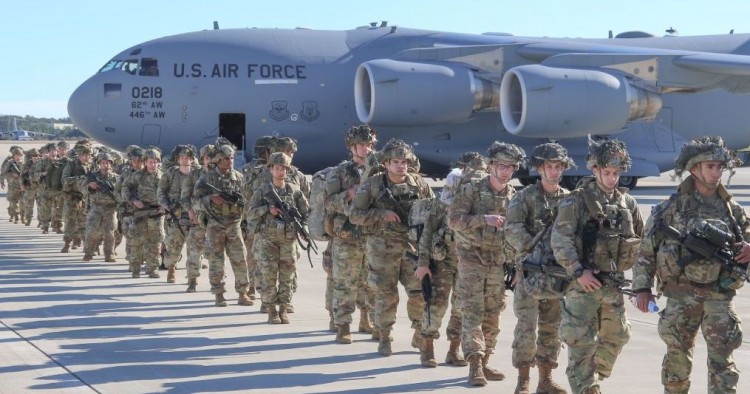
[(569, 182), (628, 181)]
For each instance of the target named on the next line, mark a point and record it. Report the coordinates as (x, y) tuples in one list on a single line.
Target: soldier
[(595, 238), (146, 232), (529, 219), (699, 292), (134, 154), (74, 209), (169, 195), (382, 203), (39, 175), (477, 215), (11, 171), (223, 232), (100, 221), (348, 270), (275, 244), (196, 238), (29, 185), (437, 258), (54, 184)]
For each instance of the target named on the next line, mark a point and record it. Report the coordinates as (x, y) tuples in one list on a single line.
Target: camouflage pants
[(252, 262), (328, 264), (220, 239), (127, 225), (276, 262), (196, 245), (177, 232), (15, 196), (595, 328), (387, 266), (678, 326), (443, 280), (349, 278), (75, 218), (29, 199), (481, 291), (50, 209), (146, 236), (100, 225), (532, 314)]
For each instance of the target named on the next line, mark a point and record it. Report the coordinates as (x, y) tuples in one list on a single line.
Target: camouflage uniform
[(11, 171), (385, 247), (482, 254), (145, 233), (38, 175), (30, 186), (594, 325), (223, 232), (74, 210), (124, 208), (196, 237), (100, 221), (699, 294), (275, 244)]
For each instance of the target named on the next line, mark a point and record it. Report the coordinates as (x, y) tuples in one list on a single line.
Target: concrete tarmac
[(70, 326)]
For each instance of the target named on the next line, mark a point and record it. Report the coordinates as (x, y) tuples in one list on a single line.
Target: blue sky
[(50, 47)]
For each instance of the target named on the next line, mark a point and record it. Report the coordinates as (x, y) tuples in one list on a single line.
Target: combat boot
[(273, 316), (220, 300), (522, 387), (76, 243), (343, 334), (87, 257), (384, 346), (427, 353), (243, 299), (59, 230), (45, 229), (136, 270), (490, 373), (331, 324), (283, 314), (171, 277), (66, 247), (290, 308), (476, 375), (454, 356), (192, 283), (28, 223), (263, 307), (546, 384), (592, 390), (15, 219), (153, 273), (109, 259), (416, 339), (375, 334), (364, 321)]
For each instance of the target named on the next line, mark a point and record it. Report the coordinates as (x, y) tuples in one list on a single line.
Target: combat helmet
[(397, 149), (152, 153), (506, 153), (33, 152), (284, 144), (280, 158), (361, 134), (134, 151), (608, 153), (104, 155), (83, 147), (183, 150), (705, 149), (550, 151), (471, 160), (262, 146), (16, 150), (222, 152), (62, 144)]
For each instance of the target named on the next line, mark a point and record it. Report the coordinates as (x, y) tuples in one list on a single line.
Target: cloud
[(37, 108)]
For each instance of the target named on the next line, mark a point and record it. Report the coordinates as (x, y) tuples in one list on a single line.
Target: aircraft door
[(232, 127), (151, 134), (662, 127)]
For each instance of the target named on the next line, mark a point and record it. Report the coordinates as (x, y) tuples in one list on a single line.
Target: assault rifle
[(105, 186), (616, 280), (290, 215), (150, 213), (232, 197), (553, 270), (706, 242), (174, 219)]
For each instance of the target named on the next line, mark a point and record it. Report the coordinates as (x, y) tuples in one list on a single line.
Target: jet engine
[(542, 101), (401, 94)]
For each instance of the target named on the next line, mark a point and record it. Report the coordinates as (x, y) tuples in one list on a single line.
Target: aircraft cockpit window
[(129, 66), (149, 67)]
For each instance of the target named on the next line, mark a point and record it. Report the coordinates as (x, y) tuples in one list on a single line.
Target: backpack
[(319, 225), (53, 179)]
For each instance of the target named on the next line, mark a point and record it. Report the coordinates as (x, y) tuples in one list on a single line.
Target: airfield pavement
[(70, 326)]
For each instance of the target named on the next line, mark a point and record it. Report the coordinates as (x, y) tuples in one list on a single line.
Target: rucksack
[(320, 228), (53, 179)]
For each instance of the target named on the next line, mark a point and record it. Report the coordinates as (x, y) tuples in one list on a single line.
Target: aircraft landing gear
[(628, 181)]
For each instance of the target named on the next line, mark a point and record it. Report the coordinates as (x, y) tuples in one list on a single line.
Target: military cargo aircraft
[(445, 93), (24, 135)]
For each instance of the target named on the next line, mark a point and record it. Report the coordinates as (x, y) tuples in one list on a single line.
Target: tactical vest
[(399, 199), (487, 202), (273, 227)]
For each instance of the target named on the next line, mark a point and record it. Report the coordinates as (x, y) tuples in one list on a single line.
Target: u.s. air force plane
[(445, 93)]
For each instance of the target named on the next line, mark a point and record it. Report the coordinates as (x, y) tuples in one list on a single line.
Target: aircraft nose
[(82, 106)]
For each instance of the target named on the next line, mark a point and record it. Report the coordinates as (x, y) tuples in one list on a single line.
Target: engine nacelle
[(541, 101), (401, 94)]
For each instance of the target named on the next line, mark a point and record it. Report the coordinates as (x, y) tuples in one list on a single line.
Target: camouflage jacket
[(343, 177), (187, 192), (267, 223), (142, 185), (99, 197), (170, 190), (466, 218), (71, 176), (620, 227), (371, 202), (529, 212), (38, 173), (11, 171), (437, 241), (230, 182), (683, 211)]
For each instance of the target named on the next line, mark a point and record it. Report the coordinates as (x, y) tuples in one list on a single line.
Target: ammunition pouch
[(544, 281), (438, 250), (342, 227)]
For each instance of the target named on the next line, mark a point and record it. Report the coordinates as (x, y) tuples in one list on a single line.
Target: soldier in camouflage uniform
[(438, 259), (29, 185), (595, 238), (196, 238), (74, 209), (38, 174), (382, 203), (56, 194), (527, 225), (223, 233), (146, 229), (169, 195), (100, 221), (275, 244), (134, 154), (477, 215), (699, 293), (348, 241), (11, 171)]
